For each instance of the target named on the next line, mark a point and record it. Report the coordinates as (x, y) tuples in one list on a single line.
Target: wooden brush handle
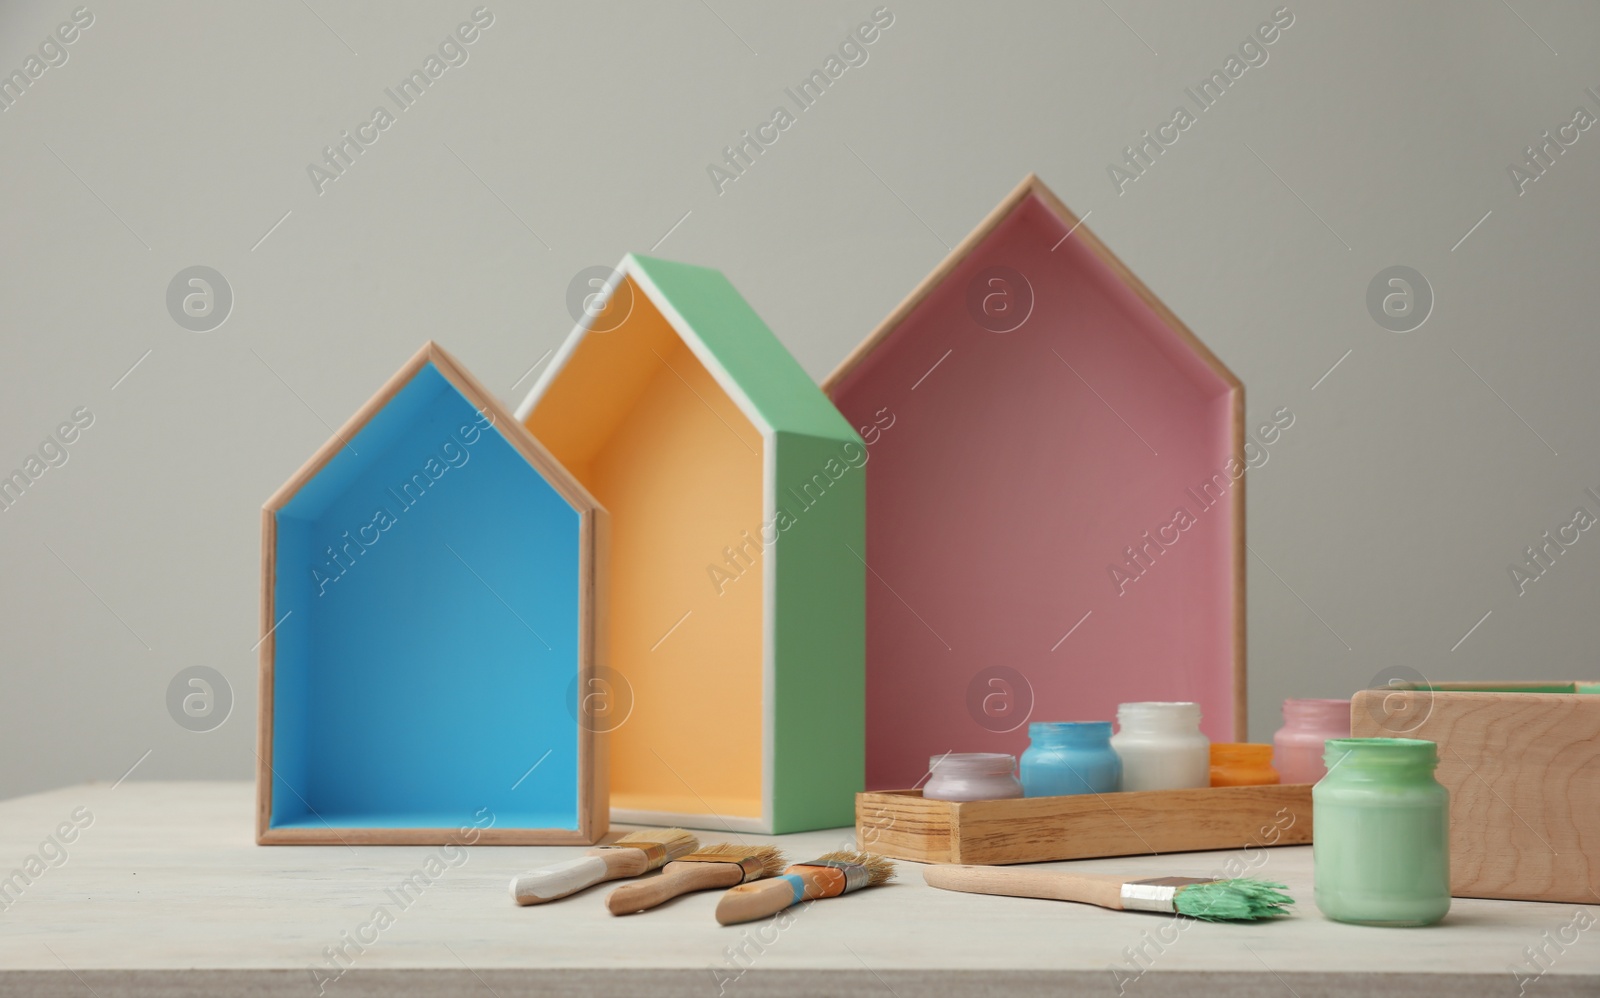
[(748, 902), (677, 879), (1103, 889), (754, 900), (571, 876)]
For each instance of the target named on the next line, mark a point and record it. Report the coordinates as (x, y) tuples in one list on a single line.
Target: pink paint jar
[(973, 776), (1297, 748)]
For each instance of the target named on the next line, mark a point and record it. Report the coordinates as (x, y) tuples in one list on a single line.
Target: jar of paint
[(1161, 746), (1381, 839), (1070, 757), (972, 776), (1238, 764), (1307, 726)]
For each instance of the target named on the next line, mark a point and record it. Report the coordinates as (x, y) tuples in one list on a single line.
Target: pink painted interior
[(1005, 488)]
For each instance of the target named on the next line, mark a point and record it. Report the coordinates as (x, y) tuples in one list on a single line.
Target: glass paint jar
[(972, 776), (1239, 764), (1070, 757), (1307, 726), (1381, 833), (1161, 746)]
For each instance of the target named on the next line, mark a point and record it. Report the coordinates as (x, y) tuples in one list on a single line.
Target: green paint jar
[(1381, 833)]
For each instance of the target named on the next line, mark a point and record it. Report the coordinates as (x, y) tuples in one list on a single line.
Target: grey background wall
[(1419, 466)]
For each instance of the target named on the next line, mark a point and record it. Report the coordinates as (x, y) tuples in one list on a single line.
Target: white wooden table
[(166, 893)]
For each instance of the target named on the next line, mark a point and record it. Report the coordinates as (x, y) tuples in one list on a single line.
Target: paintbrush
[(630, 856), (722, 865), (833, 874), (1212, 900)]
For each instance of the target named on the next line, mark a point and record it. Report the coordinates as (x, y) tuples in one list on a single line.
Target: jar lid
[(1159, 705), (1364, 752), (1324, 712), (973, 762), (1241, 752), (1179, 711), (1045, 729)]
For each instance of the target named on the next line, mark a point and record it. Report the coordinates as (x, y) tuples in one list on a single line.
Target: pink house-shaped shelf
[(1055, 501)]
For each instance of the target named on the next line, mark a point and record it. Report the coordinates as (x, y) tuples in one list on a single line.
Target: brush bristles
[(879, 870), (1240, 900), (677, 842), (769, 858)]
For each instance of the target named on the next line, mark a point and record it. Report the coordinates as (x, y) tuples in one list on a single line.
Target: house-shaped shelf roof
[(1056, 518), (427, 607), (736, 498)]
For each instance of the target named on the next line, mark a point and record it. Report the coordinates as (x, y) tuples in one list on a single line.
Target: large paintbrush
[(1208, 899), (722, 865), (632, 855), (833, 874)]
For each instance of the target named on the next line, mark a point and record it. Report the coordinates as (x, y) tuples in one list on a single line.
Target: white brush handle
[(558, 880), (570, 876)]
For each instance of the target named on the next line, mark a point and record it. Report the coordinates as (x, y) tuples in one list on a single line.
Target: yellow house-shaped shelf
[(737, 495)]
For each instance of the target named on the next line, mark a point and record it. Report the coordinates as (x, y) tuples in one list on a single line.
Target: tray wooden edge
[(902, 824)]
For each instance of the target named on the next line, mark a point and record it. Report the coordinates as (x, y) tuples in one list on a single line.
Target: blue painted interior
[(428, 660)]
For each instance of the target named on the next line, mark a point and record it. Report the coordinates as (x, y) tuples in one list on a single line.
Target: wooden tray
[(902, 824)]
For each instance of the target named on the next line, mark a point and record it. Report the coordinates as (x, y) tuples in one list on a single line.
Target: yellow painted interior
[(643, 424)]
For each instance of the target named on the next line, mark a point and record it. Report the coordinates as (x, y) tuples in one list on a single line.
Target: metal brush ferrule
[(1156, 894), (655, 853), (752, 867), (855, 875)]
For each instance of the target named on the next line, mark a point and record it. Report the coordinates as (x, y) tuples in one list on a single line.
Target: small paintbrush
[(630, 856), (1212, 900), (833, 874), (722, 865)]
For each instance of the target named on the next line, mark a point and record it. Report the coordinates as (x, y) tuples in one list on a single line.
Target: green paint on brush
[(1232, 900)]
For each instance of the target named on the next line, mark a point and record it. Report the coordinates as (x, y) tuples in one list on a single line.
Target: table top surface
[(167, 876)]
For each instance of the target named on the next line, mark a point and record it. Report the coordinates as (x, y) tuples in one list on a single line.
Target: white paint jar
[(1161, 746)]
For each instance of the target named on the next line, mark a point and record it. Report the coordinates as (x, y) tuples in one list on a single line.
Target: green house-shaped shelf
[(736, 494)]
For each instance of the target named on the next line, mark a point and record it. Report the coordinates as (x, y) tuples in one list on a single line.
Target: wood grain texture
[(1523, 771), (167, 894), (1103, 889), (339, 835), (1241, 629), (593, 790), (594, 743), (776, 982), (264, 686), (904, 825), (676, 879), (748, 902)]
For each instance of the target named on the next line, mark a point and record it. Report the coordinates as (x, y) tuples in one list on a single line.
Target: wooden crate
[(1522, 764), (905, 825)]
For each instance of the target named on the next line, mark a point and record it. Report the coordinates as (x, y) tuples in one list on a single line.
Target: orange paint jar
[(1241, 765)]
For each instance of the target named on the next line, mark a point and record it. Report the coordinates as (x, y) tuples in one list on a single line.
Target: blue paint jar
[(1070, 757)]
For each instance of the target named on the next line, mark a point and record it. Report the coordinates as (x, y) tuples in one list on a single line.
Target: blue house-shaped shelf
[(428, 610)]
